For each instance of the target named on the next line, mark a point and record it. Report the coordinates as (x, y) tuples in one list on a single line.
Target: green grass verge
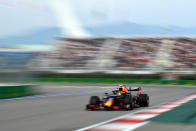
[(185, 113), (125, 81)]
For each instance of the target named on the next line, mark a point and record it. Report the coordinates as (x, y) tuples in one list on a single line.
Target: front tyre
[(94, 100)]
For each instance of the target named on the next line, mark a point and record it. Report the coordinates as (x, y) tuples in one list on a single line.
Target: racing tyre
[(94, 100), (143, 100), (129, 102)]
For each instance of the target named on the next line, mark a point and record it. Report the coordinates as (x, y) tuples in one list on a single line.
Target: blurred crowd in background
[(184, 53), (107, 53), (121, 53)]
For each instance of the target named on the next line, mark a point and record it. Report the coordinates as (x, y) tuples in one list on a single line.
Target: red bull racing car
[(121, 98)]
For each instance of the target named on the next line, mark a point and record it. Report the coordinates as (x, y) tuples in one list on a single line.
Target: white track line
[(137, 126), (102, 123)]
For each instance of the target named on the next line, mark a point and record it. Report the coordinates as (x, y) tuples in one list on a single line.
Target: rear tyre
[(143, 100), (94, 100)]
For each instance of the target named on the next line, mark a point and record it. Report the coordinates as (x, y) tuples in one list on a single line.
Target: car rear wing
[(136, 89)]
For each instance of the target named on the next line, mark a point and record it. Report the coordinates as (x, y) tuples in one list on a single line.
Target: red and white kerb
[(134, 120)]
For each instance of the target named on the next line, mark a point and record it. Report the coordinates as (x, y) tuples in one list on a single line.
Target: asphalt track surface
[(65, 111)]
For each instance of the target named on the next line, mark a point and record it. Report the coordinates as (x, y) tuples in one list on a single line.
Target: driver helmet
[(122, 88)]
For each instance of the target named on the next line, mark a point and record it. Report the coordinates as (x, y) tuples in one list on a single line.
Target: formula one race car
[(121, 98)]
